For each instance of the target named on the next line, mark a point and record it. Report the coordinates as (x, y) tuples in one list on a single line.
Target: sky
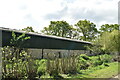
[(18, 14)]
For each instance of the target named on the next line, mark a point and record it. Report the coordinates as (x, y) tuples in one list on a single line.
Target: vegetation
[(109, 27), (16, 61), (58, 28), (28, 29), (88, 30), (86, 67), (101, 71), (101, 63), (85, 30), (111, 41)]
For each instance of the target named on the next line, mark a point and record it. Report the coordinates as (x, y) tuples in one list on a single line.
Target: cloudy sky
[(18, 14)]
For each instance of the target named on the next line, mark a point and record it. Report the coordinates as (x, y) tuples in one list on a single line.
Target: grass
[(94, 72), (99, 71), (107, 69)]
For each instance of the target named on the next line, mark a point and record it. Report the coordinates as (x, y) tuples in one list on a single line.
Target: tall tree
[(87, 29), (59, 28), (111, 41), (28, 29), (109, 27)]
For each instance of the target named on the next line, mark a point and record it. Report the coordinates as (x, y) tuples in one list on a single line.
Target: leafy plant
[(18, 41), (83, 62), (17, 63), (106, 58), (41, 67)]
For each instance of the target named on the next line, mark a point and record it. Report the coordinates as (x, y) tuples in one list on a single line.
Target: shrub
[(83, 62), (17, 66), (106, 58), (105, 64), (16, 61), (84, 56), (97, 62), (41, 67)]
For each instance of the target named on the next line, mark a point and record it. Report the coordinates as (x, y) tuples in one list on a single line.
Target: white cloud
[(38, 13)]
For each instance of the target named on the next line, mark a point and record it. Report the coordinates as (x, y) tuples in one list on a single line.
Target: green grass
[(107, 69), (94, 72), (99, 71)]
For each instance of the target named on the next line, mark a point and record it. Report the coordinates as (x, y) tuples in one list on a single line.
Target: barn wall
[(55, 53)]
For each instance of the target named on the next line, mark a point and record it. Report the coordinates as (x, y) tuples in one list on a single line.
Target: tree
[(96, 47), (75, 34), (109, 27), (28, 29), (111, 41), (58, 28), (87, 29)]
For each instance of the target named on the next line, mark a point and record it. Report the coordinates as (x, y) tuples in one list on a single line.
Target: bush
[(41, 67), (17, 63), (84, 56), (83, 62), (106, 58), (105, 64), (97, 62)]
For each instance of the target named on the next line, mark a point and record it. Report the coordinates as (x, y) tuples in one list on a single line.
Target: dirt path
[(118, 76)]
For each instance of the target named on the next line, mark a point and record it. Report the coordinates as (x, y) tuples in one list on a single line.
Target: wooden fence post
[(42, 53)]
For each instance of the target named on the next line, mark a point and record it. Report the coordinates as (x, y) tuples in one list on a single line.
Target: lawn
[(99, 71)]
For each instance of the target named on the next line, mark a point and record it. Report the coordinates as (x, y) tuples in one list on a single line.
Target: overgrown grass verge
[(100, 66), (99, 71)]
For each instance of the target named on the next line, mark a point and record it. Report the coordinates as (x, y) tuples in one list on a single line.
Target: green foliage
[(83, 62), (18, 41), (58, 66), (97, 62), (63, 65), (110, 41), (106, 58), (96, 47), (109, 27), (109, 38), (16, 61), (105, 71), (41, 67), (100, 71), (14, 66), (84, 56), (87, 29), (101, 59), (28, 29), (59, 28)]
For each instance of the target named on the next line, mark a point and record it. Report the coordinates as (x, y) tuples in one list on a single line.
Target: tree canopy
[(109, 27), (28, 29), (87, 29), (58, 28), (111, 41)]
